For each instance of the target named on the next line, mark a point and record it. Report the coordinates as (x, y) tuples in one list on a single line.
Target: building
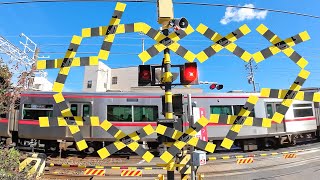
[(97, 78), (41, 84), (101, 78)]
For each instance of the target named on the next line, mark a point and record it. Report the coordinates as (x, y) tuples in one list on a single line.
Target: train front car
[(32, 106), (299, 124), (230, 104)]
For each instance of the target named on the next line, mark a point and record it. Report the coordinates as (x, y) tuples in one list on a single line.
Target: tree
[(5, 84)]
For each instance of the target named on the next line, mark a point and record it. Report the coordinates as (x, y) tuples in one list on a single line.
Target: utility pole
[(250, 77), (142, 41), (34, 68)]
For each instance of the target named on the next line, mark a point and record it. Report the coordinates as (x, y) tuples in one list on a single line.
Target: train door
[(270, 110), (84, 110)]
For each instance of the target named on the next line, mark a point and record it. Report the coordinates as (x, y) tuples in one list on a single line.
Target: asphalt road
[(305, 166)]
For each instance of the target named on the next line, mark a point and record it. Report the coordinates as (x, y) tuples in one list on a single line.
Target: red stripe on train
[(300, 119), (123, 96), (4, 120), (139, 124)]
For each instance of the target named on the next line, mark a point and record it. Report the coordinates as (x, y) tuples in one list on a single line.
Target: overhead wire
[(152, 1)]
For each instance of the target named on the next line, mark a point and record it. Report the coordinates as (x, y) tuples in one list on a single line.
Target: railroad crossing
[(183, 151)]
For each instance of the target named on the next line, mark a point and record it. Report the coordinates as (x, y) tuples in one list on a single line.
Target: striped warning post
[(238, 123), (131, 172), (289, 155), (95, 172), (279, 45), (221, 42), (185, 171), (245, 160), (34, 164)]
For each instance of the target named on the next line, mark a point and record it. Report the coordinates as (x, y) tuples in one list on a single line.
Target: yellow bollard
[(160, 177), (201, 177)]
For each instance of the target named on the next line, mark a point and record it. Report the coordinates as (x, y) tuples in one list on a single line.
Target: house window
[(114, 80), (89, 85)]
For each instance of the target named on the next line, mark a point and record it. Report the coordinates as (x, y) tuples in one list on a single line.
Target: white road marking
[(142, 161)]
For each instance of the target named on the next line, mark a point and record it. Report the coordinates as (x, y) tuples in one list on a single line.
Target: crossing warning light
[(216, 86), (144, 78), (189, 74)]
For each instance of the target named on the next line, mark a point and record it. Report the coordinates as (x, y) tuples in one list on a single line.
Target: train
[(132, 111)]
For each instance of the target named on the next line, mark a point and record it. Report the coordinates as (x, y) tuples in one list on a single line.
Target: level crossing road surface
[(305, 166)]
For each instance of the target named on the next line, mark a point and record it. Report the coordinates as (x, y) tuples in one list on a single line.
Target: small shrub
[(9, 166)]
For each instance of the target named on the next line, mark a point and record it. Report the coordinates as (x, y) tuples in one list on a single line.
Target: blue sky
[(51, 26)]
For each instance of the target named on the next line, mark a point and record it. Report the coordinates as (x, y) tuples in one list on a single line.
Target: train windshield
[(34, 111)]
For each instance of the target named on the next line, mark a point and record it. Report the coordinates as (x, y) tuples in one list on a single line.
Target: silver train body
[(132, 111)]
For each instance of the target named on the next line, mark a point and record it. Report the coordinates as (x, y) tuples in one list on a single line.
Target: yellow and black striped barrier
[(104, 167), (227, 157), (65, 121), (170, 42), (279, 45), (238, 122), (124, 140), (282, 93), (221, 42), (185, 138), (108, 32), (290, 95), (71, 60), (33, 165), (248, 121)]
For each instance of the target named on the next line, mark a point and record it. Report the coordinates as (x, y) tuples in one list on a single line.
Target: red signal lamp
[(216, 86), (145, 76), (189, 74)]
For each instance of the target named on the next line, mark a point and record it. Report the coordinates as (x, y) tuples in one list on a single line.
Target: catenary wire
[(151, 1)]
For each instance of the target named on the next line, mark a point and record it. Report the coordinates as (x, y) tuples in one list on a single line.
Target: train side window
[(33, 112), (302, 110), (269, 111), (221, 110), (119, 113), (4, 115), (145, 113), (237, 109), (86, 110), (74, 109)]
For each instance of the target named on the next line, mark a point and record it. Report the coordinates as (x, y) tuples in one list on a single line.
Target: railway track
[(65, 176)]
